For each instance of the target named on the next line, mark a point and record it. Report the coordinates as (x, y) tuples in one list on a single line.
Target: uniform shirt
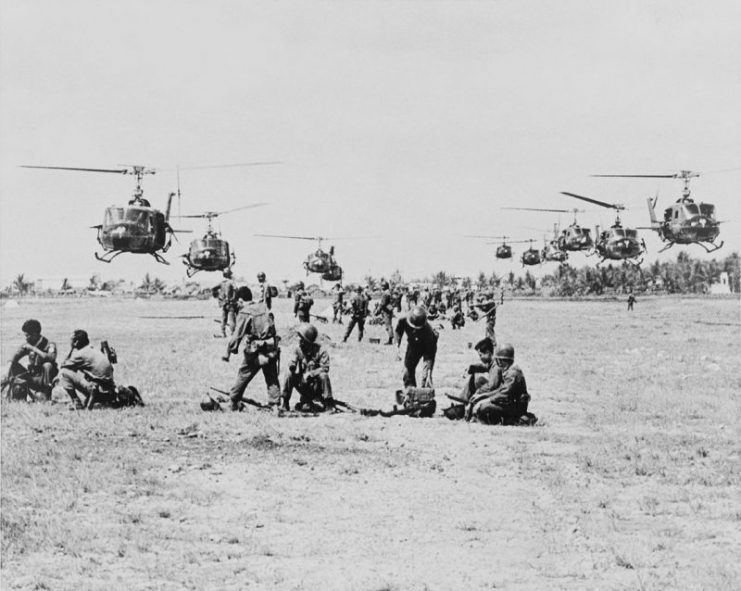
[(423, 340), (253, 324), (309, 359), (227, 292), (359, 305), (339, 297), (263, 294), (35, 361), (489, 308), (91, 361), (387, 303), (507, 386)]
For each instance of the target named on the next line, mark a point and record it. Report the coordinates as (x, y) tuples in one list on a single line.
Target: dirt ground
[(630, 480)]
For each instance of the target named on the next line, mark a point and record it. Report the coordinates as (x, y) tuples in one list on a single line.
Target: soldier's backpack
[(417, 402), (109, 352), (273, 291)]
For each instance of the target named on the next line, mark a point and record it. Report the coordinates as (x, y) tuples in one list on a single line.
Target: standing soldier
[(42, 361), (338, 304), (227, 294), (358, 312), (488, 306), (631, 301), (458, 320), (302, 304), (506, 399), (421, 344), (263, 291), (83, 369), (308, 372), (386, 308), (261, 352)]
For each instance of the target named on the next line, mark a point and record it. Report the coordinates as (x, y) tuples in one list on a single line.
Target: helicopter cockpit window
[(691, 209), (707, 209), (114, 215), (619, 232), (631, 233)]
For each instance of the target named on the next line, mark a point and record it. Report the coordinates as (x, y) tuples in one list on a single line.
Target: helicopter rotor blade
[(237, 165), (250, 206), (116, 170), (539, 209), (290, 237), (485, 236), (595, 201), (636, 176)]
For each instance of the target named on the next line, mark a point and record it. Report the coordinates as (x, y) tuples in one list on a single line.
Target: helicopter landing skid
[(715, 246), (158, 258), (107, 259), (667, 247)]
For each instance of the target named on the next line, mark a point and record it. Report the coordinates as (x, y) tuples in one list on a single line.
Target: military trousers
[(361, 325), (39, 379), (249, 369), (303, 316), (491, 413), (70, 382), (411, 360), (472, 385), (387, 324), (310, 389), (228, 318)]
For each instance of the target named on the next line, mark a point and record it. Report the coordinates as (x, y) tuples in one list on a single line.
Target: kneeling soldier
[(84, 370), (38, 374), (308, 372), (505, 400)]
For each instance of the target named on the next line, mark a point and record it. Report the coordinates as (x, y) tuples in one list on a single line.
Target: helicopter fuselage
[(575, 238), (687, 222), (618, 244), (531, 257), (504, 252), (209, 253), (133, 229)]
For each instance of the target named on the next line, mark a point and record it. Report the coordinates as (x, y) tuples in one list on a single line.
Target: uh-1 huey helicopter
[(318, 261), (504, 250), (574, 237), (137, 228), (685, 222), (616, 243), (551, 252), (531, 256), (212, 252)]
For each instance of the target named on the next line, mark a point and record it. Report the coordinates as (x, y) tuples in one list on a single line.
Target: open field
[(631, 479)]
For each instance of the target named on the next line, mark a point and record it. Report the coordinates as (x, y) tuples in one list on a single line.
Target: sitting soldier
[(457, 320), (505, 399), (84, 370), (308, 372), (480, 377), (37, 376)]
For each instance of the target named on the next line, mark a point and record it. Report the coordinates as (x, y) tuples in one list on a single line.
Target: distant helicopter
[(685, 222), (504, 250), (138, 228), (616, 243), (574, 237), (318, 261), (211, 253), (531, 256), (551, 252)]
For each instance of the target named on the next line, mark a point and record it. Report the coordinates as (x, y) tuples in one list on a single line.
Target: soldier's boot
[(236, 404)]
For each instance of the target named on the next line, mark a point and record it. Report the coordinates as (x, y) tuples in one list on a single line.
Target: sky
[(400, 127)]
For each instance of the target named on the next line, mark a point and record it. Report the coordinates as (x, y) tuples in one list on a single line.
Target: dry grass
[(631, 480)]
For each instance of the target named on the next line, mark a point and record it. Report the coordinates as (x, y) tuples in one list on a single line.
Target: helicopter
[(138, 228), (211, 253), (616, 243), (685, 222), (319, 261), (572, 238), (531, 256), (551, 251), (504, 250)]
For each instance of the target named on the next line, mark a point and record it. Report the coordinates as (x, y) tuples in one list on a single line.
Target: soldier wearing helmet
[(421, 345), (42, 361), (358, 313), (263, 291), (256, 328), (488, 305), (302, 304), (386, 309), (506, 398), (308, 372), (338, 303), (227, 296)]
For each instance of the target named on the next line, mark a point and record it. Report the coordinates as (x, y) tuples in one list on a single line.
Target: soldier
[(263, 291), (302, 304), (421, 344), (488, 306), (261, 352), (458, 320), (227, 294), (338, 303), (483, 375), (386, 309), (505, 399), (308, 372), (83, 370), (42, 361), (631, 301), (358, 312)]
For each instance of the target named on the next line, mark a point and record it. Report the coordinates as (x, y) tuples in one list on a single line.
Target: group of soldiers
[(83, 373), (495, 390)]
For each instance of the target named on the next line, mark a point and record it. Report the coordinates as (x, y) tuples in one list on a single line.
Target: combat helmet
[(307, 332), (209, 404), (417, 317), (505, 351)]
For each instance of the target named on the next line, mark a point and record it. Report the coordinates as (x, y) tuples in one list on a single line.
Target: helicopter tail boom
[(651, 212)]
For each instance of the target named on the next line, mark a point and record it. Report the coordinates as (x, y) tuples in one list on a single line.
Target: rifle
[(322, 319), (244, 400), (457, 399)]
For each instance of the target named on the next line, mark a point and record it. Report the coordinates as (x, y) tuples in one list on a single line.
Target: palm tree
[(21, 284)]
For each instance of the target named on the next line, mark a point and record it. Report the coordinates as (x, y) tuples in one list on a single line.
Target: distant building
[(55, 283), (722, 287)]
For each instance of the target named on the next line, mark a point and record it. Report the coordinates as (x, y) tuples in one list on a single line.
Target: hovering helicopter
[(685, 222), (572, 238), (616, 243), (138, 228), (531, 256), (504, 250), (211, 253), (318, 261), (551, 251)]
